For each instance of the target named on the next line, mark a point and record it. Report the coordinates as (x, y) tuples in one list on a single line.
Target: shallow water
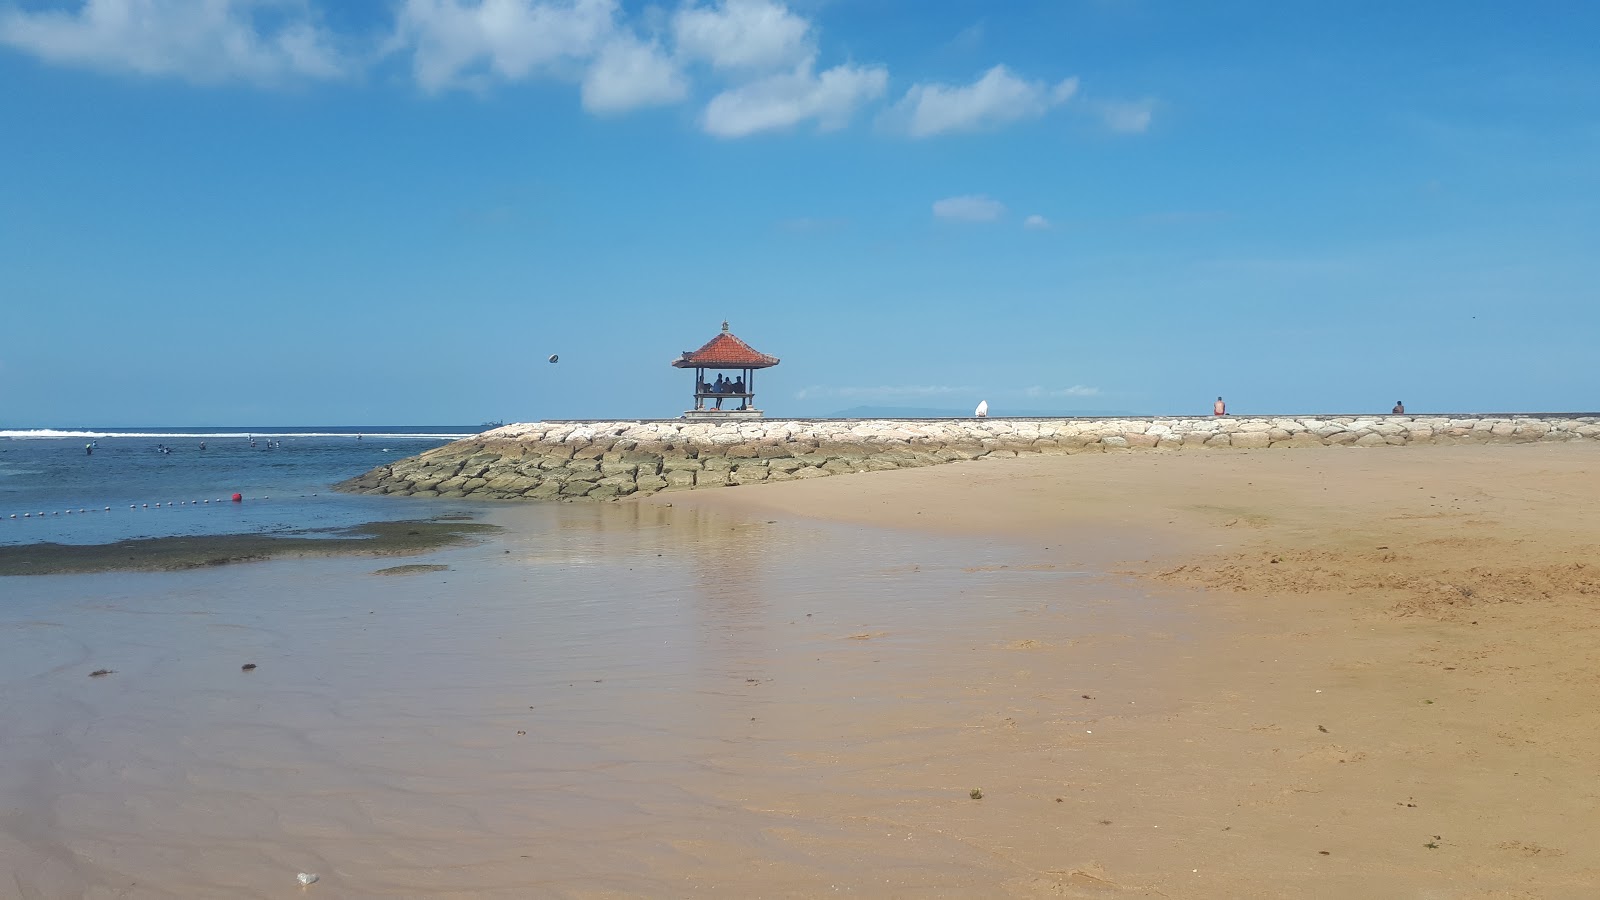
[(51, 490), (605, 700)]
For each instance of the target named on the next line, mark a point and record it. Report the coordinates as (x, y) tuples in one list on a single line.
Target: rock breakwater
[(608, 460)]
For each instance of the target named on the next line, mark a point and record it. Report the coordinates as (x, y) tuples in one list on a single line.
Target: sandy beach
[(1319, 673), (1389, 689)]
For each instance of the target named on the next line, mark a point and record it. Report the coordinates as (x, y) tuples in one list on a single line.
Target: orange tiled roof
[(725, 352)]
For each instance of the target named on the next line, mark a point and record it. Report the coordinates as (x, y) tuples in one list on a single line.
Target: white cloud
[(969, 208), (1036, 222), (459, 43), (1127, 117), (1077, 390), (743, 34), (214, 41), (629, 74), (782, 101), (967, 39), (997, 98), (761, 55)]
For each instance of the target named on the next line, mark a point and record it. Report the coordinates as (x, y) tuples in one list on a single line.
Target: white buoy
[(25, 516), (69, 512)]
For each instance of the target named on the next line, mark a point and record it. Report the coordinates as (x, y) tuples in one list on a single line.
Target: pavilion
[(724, 352)]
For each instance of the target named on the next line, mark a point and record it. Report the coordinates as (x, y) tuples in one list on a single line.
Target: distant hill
[(915, 412)]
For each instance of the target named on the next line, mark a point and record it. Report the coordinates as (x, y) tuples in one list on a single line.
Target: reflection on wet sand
[(600, 701)]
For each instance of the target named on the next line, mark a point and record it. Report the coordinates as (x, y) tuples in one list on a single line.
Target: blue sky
[(302, 211)]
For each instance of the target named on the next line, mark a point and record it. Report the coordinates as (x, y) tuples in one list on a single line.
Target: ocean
[(51, 490)]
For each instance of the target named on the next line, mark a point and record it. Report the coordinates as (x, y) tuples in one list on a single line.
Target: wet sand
[(600, 701), (793, 690)]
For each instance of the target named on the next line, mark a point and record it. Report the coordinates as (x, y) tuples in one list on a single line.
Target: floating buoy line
[(168, 504)]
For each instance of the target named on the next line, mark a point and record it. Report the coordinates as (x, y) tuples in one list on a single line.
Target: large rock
[(680, 479), (577, 488)]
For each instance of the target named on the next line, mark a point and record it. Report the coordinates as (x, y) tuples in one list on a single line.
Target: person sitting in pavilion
[(737, 387), (720, 387)]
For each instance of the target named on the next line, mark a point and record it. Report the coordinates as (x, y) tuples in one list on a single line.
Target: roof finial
[(724, 326)]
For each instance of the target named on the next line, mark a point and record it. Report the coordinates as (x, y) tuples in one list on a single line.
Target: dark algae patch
[(413, 569), (170, 554)]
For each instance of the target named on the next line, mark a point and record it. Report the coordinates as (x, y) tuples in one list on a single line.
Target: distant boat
[(489, 425)]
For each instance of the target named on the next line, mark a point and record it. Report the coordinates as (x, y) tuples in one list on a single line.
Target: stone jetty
[(610, 460)]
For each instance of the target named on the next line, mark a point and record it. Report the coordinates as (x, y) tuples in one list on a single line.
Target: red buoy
[(238, 498)]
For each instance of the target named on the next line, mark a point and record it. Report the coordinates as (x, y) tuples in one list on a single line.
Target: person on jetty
[(1399, 408), (737, 387), (1219, 408), (720, 387), (700, 387)]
